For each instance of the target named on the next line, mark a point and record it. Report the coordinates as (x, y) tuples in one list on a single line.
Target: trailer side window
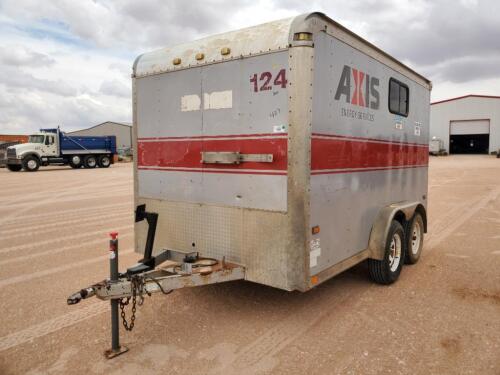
[(399, 95)]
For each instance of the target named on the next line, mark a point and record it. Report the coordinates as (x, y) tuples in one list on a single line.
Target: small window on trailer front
[(399, 97)]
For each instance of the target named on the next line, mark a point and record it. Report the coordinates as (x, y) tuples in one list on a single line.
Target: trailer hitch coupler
[(82, 294)]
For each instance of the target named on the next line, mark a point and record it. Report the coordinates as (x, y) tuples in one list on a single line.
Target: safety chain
[(137, 286)]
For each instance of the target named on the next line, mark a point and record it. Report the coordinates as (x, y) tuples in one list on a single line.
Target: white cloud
[(115, 88), (17, 81), (21, 56)]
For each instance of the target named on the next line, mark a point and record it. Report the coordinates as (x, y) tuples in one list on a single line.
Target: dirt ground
[(441, 317)]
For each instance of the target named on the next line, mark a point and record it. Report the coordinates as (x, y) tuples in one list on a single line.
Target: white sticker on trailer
[(279, 129), (190, 103), (218, 100), (315, 246), (418, 126)]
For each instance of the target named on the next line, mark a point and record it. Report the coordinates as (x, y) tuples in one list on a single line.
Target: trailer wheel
[(90, 161), (75, 161), (31, 163), (387, 270), (414, 239), (104, 161), (14, 167)]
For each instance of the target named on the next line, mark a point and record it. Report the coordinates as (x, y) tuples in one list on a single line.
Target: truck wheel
[(387, 270), (14, 167), (414, 239), (31, 163), (75, 161), (90, 161), (104, 161)]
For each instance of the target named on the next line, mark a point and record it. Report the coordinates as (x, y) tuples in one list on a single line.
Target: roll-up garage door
[(470, 127), (469, 137)]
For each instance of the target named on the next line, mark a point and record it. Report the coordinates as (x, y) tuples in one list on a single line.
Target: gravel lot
[(441, 317)]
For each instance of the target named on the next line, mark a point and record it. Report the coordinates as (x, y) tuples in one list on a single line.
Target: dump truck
[(282, 154), (54, 147)]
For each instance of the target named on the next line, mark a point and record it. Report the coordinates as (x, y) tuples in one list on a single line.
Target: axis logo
[(365, 93)]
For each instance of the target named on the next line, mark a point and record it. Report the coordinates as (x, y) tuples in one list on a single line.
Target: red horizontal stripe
[(277, 173), (187, 153), (328, 154), (363, 139)]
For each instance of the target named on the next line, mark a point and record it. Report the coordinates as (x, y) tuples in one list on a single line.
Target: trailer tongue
[(165, 272), (166, 278)]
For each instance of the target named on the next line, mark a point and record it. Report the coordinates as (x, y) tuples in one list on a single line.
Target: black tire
[(14, 167), (387, 271), (75, 161), (414, 232), (104, 161), (31, 163), (90, 161)]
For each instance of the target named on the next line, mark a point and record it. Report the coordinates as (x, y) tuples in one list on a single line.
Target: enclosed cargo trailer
[(241, 155), (283, 154)]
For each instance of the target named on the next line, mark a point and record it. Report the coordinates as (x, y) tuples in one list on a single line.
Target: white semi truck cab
[(52, 146)]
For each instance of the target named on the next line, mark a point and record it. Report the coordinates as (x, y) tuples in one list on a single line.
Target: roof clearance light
[(303, 36), (225, 51), (176, 61), (200, 56)]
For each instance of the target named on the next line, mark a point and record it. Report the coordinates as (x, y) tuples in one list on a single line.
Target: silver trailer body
[(247, 140)]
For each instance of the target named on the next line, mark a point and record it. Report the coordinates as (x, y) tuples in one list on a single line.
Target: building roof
[(268, 37), (102, 123), (466, 96)]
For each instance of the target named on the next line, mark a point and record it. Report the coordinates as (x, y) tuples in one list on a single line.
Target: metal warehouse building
[(122, 131), (468, 124)]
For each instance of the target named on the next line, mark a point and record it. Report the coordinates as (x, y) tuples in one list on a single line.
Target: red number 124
[(266, 77)]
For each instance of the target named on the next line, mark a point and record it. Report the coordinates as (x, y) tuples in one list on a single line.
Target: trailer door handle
[(227, 157)]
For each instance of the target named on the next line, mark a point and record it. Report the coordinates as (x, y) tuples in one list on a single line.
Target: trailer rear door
[(193, 124)]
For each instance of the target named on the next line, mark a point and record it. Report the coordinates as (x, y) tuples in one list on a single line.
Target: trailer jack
[(165, 272)]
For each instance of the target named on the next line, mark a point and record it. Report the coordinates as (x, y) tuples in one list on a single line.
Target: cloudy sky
[(68, 63)]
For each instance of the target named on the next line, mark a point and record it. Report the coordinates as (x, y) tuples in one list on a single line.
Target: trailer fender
[(402, 212)]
